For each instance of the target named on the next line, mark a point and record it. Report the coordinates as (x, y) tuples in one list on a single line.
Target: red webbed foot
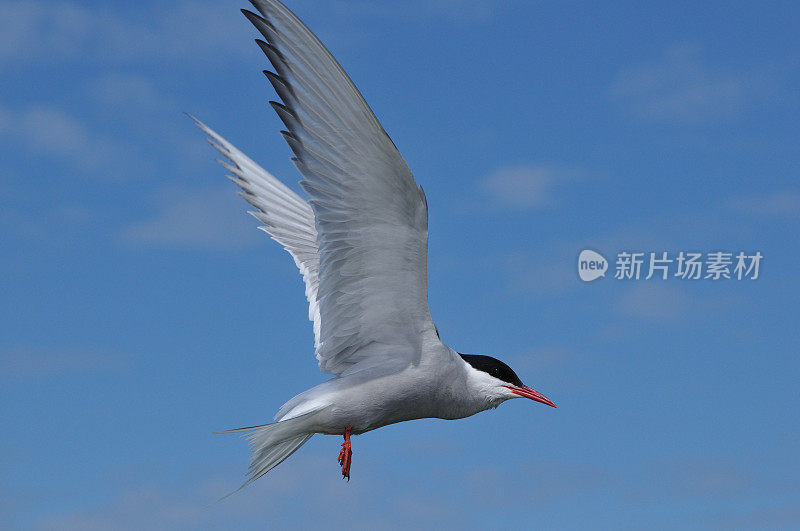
[(346, 454)]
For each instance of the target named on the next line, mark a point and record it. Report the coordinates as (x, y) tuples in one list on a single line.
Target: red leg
[(346, 454)]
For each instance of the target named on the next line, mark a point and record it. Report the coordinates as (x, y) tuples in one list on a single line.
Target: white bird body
[(360, 242), (435, 388)]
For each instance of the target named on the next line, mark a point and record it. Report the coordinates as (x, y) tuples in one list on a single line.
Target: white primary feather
[(287, 217)]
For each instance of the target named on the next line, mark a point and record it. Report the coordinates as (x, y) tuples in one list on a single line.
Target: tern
[(360, 241)]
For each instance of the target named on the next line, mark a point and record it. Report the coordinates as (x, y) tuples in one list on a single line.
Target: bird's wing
[(370, 218), (286, 216)]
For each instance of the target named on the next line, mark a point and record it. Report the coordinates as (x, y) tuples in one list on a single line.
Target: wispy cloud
[(461, 11), (654, 302), (147, 114), (128, 92), (783, 204), (192, 31), (280, 499), (543, 358), (553, 268), (545, 272), (48, 131), (683, 88), (56, 226), (456, 11), (206, 218), (40, 31), (781, 517), (704, 477), (525, 186), (492, 485), (25, 362)]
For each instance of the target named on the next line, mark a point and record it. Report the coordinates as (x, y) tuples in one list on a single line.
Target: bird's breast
[(366, 404)]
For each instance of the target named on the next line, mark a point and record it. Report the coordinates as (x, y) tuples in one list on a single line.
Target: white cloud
[(42, 31), (783, 204), (22, 223), (23, 362), (681, 88), (525, 186), (545, 272), (36, 32), (543, 358), (48, 131), (306, 492), (654, 302), (463, 11), (493, 486), (33, 28), (128, 93), (776, 517), (553, 268), (457, 11), (148, 507), (208, 218), (147, 113), (705, 477)]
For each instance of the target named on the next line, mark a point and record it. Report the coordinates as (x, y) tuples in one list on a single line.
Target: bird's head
[(497, 381)]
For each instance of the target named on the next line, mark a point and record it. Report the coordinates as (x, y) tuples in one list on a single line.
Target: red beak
[(527, 392)]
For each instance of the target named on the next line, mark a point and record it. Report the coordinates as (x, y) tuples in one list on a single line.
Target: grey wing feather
[(370, 217), (286, 216)]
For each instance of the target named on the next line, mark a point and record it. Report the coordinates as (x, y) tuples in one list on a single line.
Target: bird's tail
[(271, 444)]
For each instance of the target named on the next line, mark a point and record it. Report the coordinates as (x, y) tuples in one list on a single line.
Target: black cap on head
[(493, 367)]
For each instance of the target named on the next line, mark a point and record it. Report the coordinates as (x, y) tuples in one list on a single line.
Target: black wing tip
[(252, 17), (292, 140), (286, 114), (281, 86), (294, 143), (272, 53), (280, 105), (255, 5), (273, 76), (269, 50)]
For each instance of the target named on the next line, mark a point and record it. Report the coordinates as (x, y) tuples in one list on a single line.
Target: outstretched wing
[(361, 240), (286, 216), (371, 218)]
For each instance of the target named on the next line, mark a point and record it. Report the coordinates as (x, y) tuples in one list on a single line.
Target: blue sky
[(142, 310)]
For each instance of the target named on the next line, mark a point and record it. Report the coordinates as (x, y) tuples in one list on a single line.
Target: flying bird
[(360, 241)]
